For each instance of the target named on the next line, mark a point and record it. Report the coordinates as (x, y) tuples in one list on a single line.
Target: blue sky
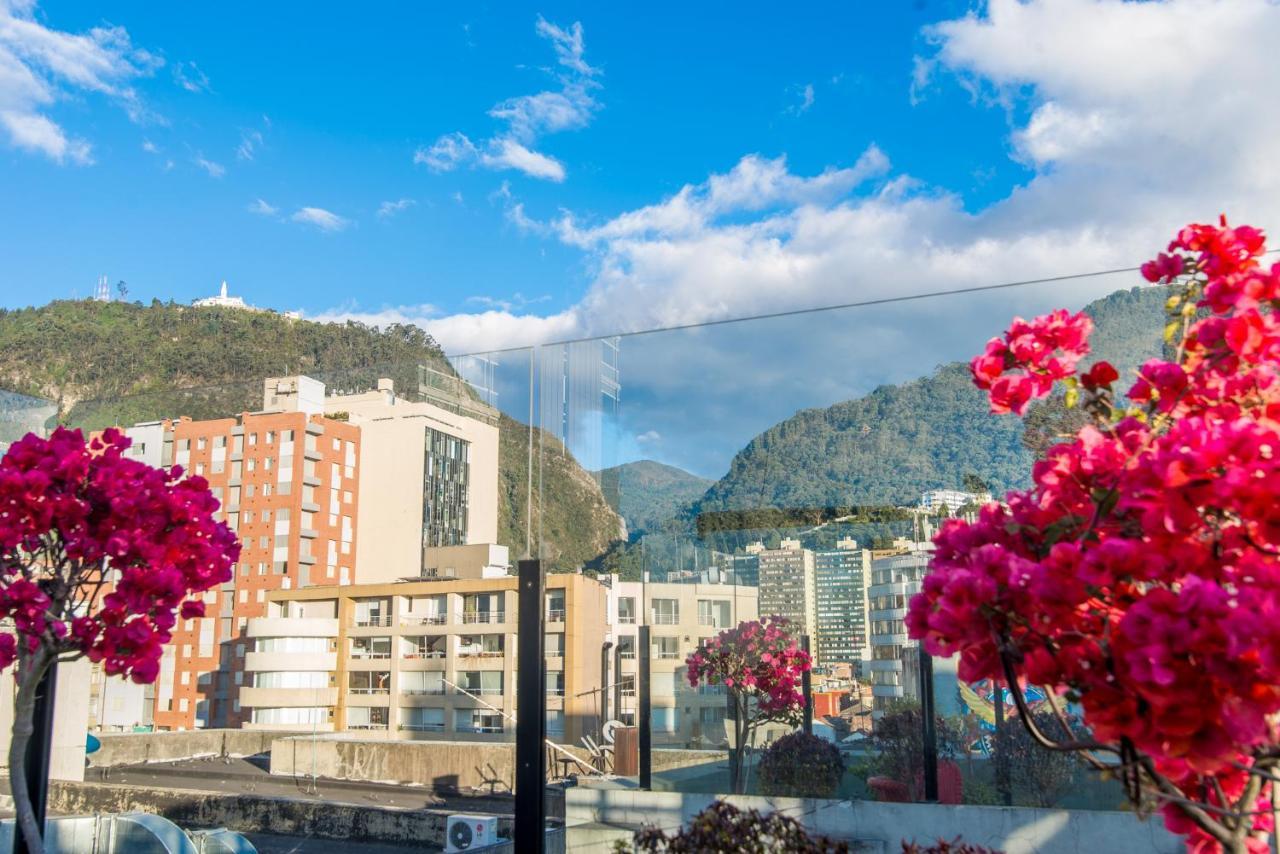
[(517, 175), (335, 104)]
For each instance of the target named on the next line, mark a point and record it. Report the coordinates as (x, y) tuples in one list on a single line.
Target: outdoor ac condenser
[(469, 832)]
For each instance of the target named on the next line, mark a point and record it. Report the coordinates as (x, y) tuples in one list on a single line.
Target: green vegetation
[(898, 441), (120, 363), (652, 493)]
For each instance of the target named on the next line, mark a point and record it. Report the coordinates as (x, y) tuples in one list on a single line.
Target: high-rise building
[(428, 476), (786, 585), (894, 663), (840, 582), (436, 655), (287, 478)]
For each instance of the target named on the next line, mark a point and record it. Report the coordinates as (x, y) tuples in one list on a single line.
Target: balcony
[(424, 620), (373, 621), (422, 727), (423, 655), (478, 692), (365, 655), (473, 617), (367, 726), (291, 627), (665, 619), (290, 661), (368, 691), (287, 698), (424, 692), (555, 615), (470, 652), (480, 730)]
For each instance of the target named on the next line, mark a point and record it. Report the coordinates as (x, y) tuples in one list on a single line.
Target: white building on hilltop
[(221, 300), (953, 499)]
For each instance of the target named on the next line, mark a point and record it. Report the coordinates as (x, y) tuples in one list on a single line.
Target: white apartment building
[(894, 666), (953, 499), (680, 617)]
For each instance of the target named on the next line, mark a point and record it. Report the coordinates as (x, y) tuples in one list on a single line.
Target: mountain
[(119, 363), (901, 440), (650, 493)]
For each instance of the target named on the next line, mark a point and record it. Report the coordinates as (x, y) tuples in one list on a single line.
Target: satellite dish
[(92, 744), (607, 730)]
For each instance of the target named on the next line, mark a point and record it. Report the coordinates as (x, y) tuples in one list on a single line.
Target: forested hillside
[(118, 363), (898, 441)]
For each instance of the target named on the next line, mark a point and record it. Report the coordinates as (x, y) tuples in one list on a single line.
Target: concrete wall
[(444, 764), (244, 813), (1013, 830), (128, 748), (70, 720)]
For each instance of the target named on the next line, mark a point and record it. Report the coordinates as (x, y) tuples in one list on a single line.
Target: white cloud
[(389, 209), (34, 132), (263, 208), (150, 147), (189, 76), (215, 170), (806, 100), (1118, 161), (649, 436), (40, 66), (321, 219), (250, 140), (527, 118)]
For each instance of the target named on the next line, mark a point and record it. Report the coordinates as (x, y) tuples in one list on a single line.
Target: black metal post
[(929, 727), (806, 686), (1002, 756), (604, 685), (644, 719), (38, 750), (531, 714)]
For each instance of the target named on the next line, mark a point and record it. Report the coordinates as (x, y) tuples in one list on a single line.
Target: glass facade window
[(445, 490)]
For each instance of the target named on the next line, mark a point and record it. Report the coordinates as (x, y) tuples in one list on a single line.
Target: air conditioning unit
[(470, 832)]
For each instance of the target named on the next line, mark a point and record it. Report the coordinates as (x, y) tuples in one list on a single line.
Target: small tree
[(898, 739), (1139, 576), (99, 555), (800, 765), (1038, 777), (760, 666), (723, 827)]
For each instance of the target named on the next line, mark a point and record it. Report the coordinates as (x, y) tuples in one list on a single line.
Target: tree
[(1039, 777), (1139, 575), (760, 666), (800, 765), (122, 287), (99, 556), (898, 739)]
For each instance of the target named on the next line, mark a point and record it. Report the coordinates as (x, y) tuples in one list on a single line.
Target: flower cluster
[(1140, 574), (757, 658), (1032, 356), (100, 553)]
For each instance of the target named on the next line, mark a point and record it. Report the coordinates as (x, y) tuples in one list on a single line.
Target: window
[(369, 682), (291, 679), (367, 718), (713, 613), (481, 682), (371, 647), (422, 720), (627, 610), (555, 683), (666, 612), (555, 606), (666, 719), (202, 443), (555, 645), (477, 720), (626, 646), (555, 723), (421, 682), (666, 648)]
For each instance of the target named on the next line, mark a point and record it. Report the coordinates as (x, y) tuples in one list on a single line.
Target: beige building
[(786, 585), (418, 657), (428, 477), (680, 617)]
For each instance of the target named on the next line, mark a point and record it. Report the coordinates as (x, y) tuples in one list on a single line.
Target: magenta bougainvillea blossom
[(761, 667), (100, 555), (1139, 576)]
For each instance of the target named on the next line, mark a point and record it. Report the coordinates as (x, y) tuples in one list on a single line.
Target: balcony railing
[(366, 726), (429, 692), (422, 727), (427, 653), (374, 620), (480, 692), (480, 653), (480, 729), (370, 690), (428, 620), (627, 619), (553, 691), (555, 615), (359, 653), (665, 619), (627, 653), (484, 616), (663, 654)]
